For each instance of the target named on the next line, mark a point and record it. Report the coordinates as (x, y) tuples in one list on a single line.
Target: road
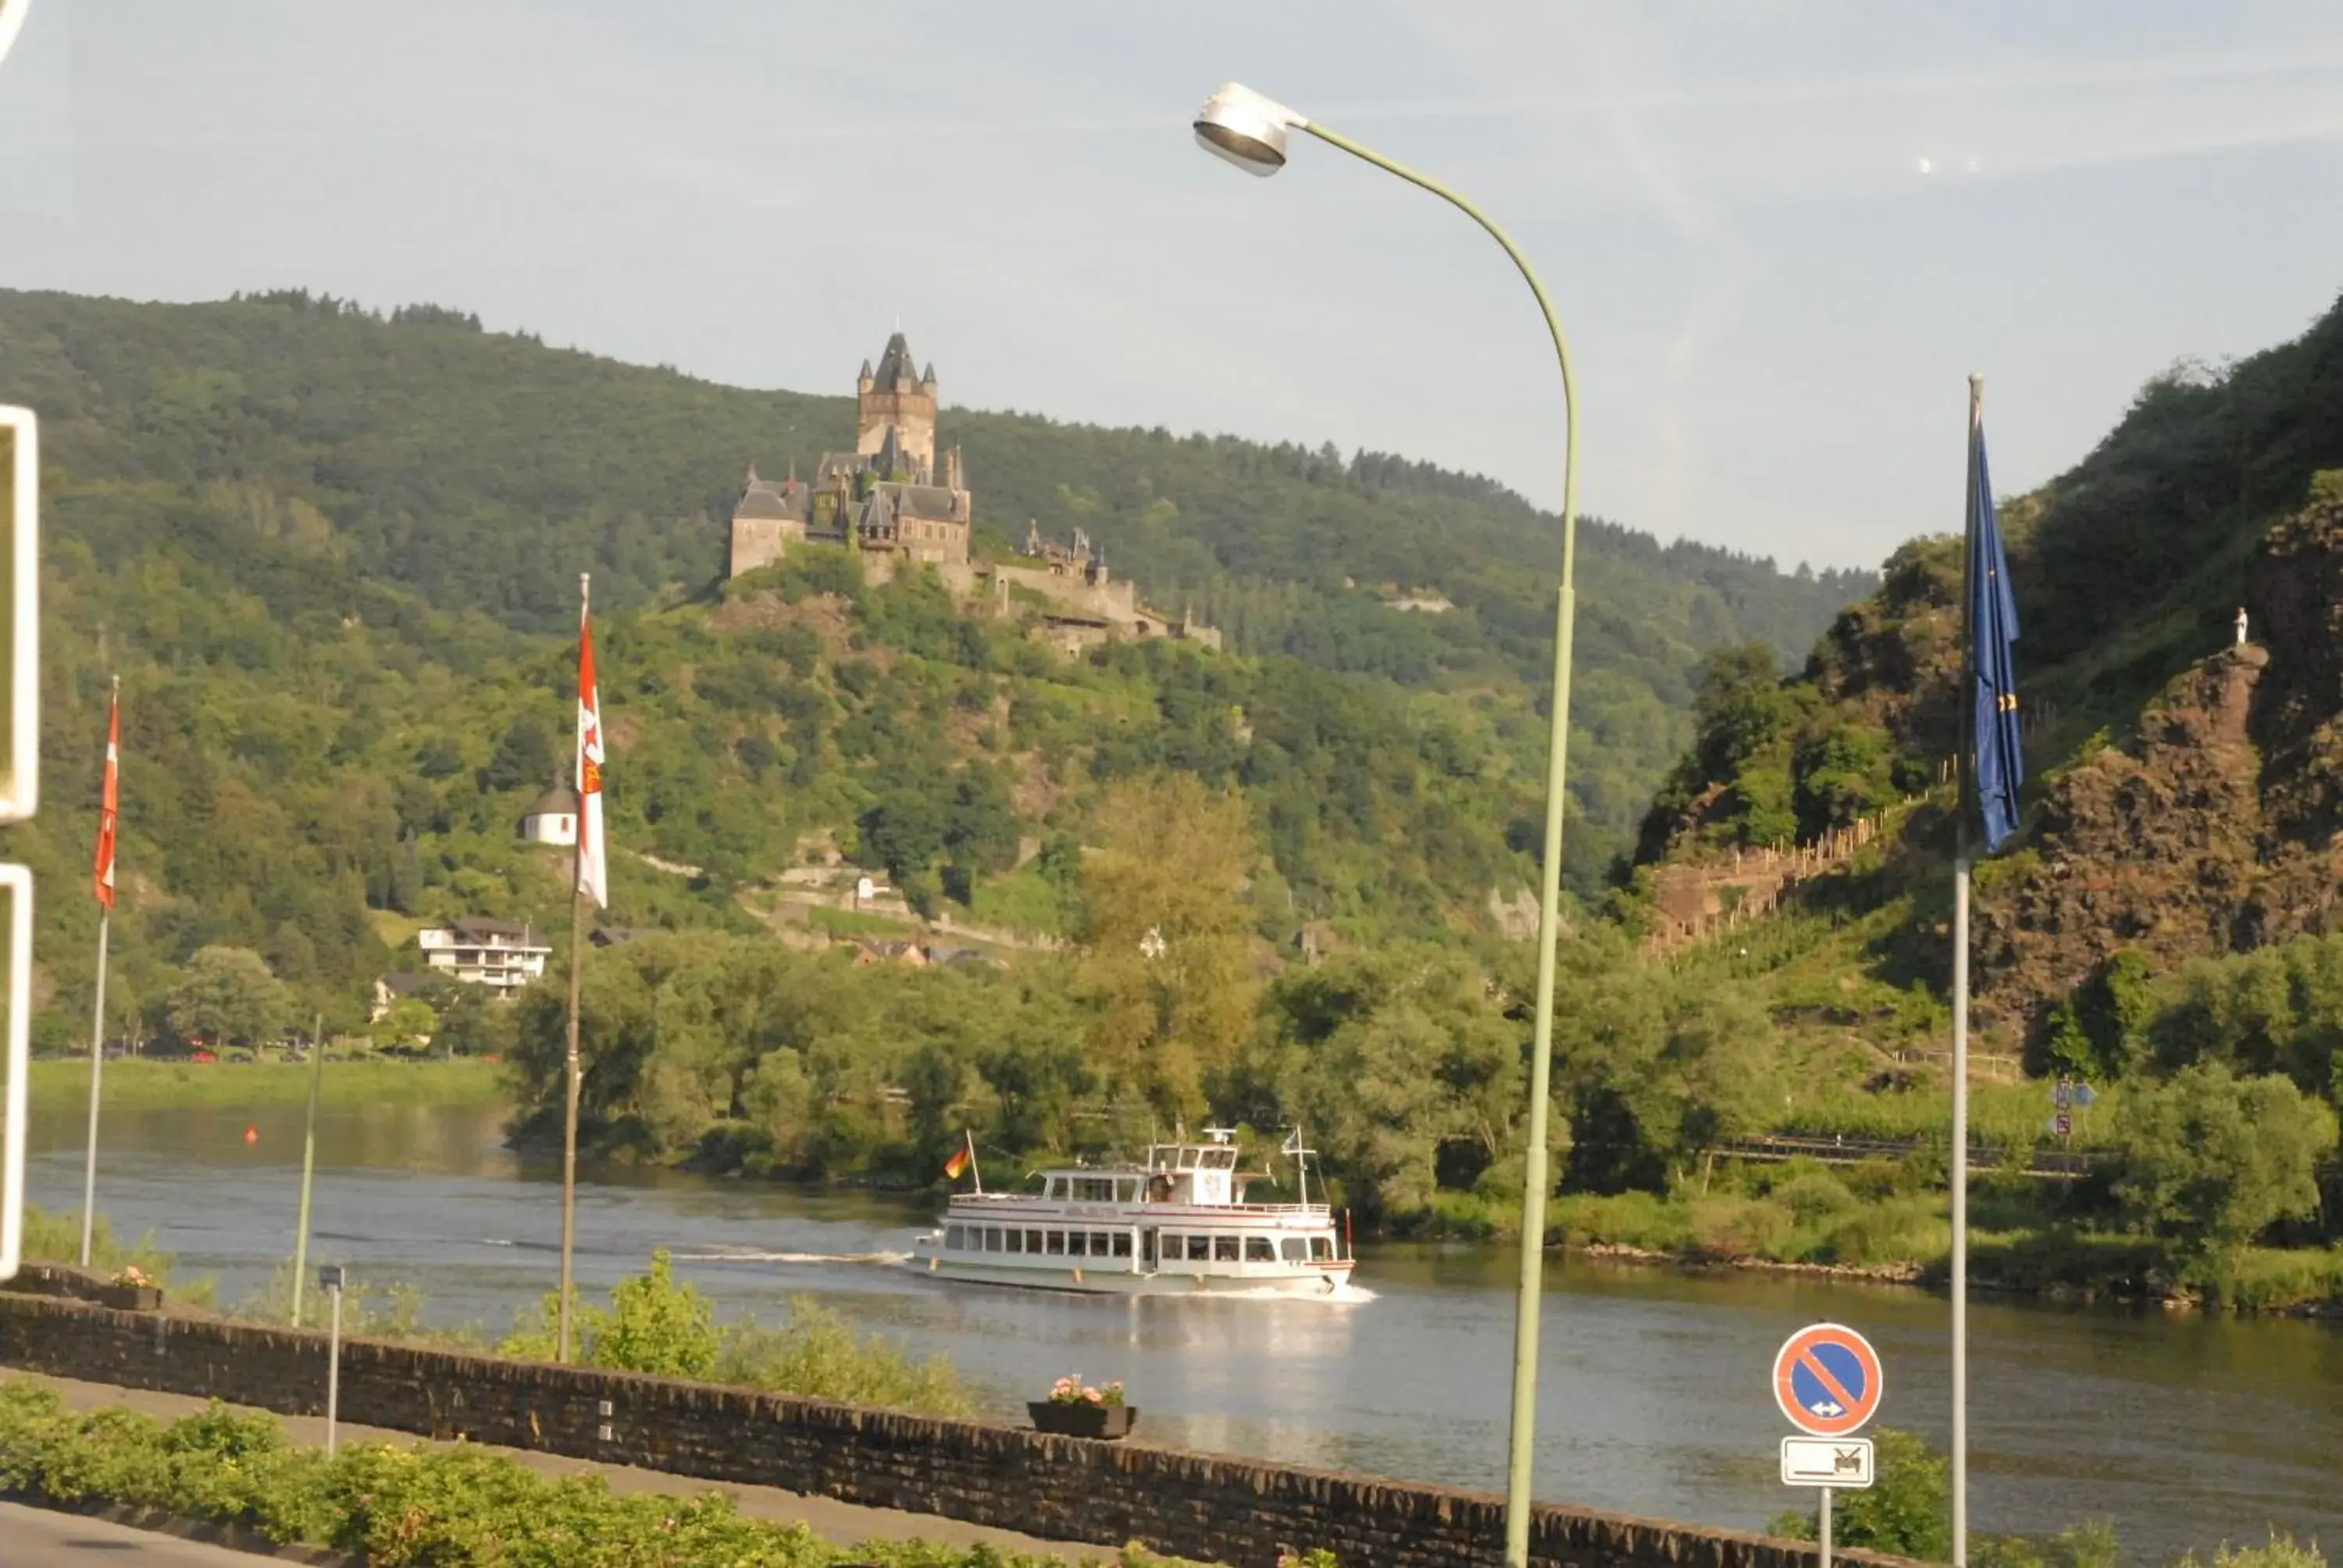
[(39, 1539)]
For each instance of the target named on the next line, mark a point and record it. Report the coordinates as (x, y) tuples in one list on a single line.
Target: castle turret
[(897, 397)]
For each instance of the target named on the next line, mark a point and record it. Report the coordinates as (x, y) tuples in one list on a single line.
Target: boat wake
[(1342, 1296), (753, 1255)]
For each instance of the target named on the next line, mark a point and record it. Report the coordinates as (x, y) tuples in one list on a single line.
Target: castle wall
[(756, 542)]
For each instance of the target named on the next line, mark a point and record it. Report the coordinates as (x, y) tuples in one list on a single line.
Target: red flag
[(593, 868), (104, 879)]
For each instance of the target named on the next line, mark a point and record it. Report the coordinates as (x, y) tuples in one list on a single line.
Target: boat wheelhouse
[(1179, 1224)]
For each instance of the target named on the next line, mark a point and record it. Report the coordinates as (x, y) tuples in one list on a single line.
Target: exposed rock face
[(2158, 850), (2222, 827)]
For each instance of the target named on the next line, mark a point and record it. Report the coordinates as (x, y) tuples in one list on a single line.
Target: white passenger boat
[(1177, 1224)]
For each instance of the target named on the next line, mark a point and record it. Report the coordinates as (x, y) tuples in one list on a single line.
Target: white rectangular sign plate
[(1842, 1462)]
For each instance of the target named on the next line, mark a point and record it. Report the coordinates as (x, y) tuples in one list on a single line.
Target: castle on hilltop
[(882, 501)]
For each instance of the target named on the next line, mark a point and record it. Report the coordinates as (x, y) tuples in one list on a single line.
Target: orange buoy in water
[(251, 1133)]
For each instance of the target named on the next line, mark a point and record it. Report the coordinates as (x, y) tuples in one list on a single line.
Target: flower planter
[(1084, 1420), (133, 1298)]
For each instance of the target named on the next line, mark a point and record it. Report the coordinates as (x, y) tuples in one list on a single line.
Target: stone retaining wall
[(1231, 1511)]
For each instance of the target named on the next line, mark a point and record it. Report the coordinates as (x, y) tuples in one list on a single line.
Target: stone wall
[(1230, 1510)]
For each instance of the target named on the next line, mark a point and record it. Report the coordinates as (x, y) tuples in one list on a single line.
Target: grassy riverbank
[(59, 1082), (1891, 1221)]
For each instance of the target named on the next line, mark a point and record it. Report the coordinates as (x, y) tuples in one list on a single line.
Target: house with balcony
[(502, 955)]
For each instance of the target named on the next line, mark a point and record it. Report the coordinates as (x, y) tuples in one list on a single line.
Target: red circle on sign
[(1856, 1405)]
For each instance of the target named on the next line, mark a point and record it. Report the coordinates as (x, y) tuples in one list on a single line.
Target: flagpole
[(974, 1168), (97, 1008), (97, 1068), (308, 1159), (1962, 766), (571, 1075)]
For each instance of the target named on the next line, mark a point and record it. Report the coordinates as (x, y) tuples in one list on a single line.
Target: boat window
[(1101, 1246), (1126, 1191), (1259, 1249), (1056, 1240), (1049, 1188), (955, 1238), (1200, 1249), (1220, 1159), (1224, 1248), (1033, 1241), (1188, 1159), (1322, 1248), (1094, 1190), (1075, 1247), (992, 1237), (1295, 1249), (1122, 1243), (1016, 1241)]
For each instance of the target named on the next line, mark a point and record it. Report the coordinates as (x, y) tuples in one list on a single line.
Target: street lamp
[(1243, 127)]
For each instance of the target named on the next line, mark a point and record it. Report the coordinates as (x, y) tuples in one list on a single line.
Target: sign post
[(1827, 1382), (20, 766), (330, 1277)]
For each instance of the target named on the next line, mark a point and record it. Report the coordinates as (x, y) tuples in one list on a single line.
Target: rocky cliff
[(2217, 827)]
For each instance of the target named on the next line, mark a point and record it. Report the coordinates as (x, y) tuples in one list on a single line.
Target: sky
[(1780, 236)]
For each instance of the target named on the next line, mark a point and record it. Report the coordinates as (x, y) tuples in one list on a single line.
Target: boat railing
[(1077, 1206)]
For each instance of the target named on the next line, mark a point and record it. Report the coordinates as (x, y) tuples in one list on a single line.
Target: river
[(2183, 1430)]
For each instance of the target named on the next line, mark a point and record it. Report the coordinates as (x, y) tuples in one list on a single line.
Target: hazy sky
[(1780, 234)]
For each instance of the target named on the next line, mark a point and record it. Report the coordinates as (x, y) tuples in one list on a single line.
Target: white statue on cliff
[(2241, 626)]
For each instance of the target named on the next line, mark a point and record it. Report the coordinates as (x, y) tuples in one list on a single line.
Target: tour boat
[(1177, 1224)]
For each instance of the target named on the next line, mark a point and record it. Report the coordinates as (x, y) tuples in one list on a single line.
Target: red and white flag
[(593, 869), (104, 879)]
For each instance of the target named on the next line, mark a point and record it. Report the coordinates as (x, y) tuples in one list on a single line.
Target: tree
[(524, 755), (409, 1020), (1166, 935), (2207, 1160), (1391, 1058), (228, 996), (473, 1022)]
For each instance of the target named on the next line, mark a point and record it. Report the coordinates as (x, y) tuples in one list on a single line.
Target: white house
[(551, 817), (497, 954)]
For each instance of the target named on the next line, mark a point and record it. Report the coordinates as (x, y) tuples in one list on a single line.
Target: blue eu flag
[(1992, 628)]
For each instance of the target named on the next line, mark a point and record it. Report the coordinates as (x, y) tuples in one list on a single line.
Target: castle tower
[(895, 397)]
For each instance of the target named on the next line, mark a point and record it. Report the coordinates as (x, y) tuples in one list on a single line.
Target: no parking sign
[(1826, 1378)]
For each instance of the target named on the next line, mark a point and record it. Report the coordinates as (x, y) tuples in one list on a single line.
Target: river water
[(2182, 1429)]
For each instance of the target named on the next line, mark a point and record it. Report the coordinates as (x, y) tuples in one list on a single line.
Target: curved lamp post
[(1243, 127)]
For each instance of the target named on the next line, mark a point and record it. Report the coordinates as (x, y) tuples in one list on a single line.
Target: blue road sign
[(1828, 1380)]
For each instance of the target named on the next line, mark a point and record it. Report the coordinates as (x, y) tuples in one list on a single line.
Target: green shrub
[(1908, 1510), (1815, 1196), (818, 1354), (655, 1325), (423, 1507), (2281, 1552)]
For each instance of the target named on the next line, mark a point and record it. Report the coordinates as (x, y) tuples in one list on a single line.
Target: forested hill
[(484, 469), (334, 555), (2182, 802)]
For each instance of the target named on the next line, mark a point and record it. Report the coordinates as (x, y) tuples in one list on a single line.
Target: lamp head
[(1246, 129)]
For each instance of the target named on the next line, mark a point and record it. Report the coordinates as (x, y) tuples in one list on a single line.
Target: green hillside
[(334, 557), (2164, 923)]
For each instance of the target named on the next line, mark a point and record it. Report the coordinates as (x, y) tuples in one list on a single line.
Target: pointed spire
[(896, 363), (927, 376)]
